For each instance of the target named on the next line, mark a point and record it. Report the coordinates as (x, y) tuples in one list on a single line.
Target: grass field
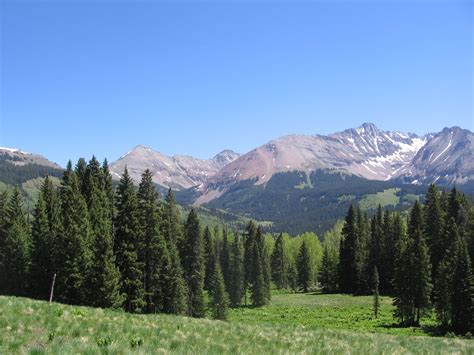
[(35, 327), (385, 198), (329, 311)]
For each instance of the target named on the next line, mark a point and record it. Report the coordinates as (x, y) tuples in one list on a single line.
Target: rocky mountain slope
[(365, 151), (18, 157), (178, 172)]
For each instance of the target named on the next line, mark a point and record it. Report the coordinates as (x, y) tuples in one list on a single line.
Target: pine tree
[(375, 244), (279, 264), (421, 268), (42, 269), (433, 228), (209, 258), (172, 229), (402, 282), (375, 286), (127, 245), (462, 306), (236, 290), (173, 293), (304, 268), (220, 298), (15, 248), (153, 243), (387, 262), (249, 241), (258, 293), (347, 254), (74, 259), (224, 257), (265, 262), (362, 278), (3, 237), (104, 276), (193, 265)]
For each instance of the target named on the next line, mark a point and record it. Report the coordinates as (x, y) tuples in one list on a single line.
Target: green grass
[(329, 311), (387, 197), (35, 327)]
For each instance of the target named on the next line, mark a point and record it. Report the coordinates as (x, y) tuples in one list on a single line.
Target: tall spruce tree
[(3, 237), (265, 262), (236, 290), (193, 265), (433, 228), (153, 242), (127, 245), (258, 293), (42, 267), (104, 276), (280, 264), (402, 282), (375, 290), (303, 263), (249, 241), (421, 268), (15, 248), (219, 298), (362, 278), (209, 258), (376, 244), (74, 260), (462, 301), (347, 254), (173, 292), (224, 259)]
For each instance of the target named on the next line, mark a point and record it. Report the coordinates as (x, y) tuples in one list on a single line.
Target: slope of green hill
[(35, 327)]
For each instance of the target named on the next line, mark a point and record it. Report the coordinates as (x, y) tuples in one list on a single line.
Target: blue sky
[(187, 77)]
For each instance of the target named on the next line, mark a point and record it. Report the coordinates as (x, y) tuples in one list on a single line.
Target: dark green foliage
[(16, 174), (280, 264), (376, 244), (328, 276), (305, 281), (257, 289), (312, 208), (347, 254), (127, 245), (236, 289), (3, 237), (153, 243), (219, 298), (362, 251), (104, 276), (462, 318), (225, 260), (74, 259), (193, 265), (15, 263), (42, 268), (172, 287), (434, 227), (413, 280), (209, 257)]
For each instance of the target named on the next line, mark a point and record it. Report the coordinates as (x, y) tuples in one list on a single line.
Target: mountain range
[(299, 182)]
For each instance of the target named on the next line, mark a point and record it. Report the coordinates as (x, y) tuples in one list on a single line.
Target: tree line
[(423, 259), (126, 247)]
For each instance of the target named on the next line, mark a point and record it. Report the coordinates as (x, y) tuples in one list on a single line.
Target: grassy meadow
[(293, 323)]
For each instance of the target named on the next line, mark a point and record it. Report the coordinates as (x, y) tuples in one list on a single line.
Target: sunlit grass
[(35, 327)]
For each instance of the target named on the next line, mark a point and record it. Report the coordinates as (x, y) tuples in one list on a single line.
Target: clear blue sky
[(99, 77)]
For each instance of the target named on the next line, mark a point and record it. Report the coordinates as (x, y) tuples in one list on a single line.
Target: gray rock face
[(178, 172), (447, 157), (365, 151), (19, 158)]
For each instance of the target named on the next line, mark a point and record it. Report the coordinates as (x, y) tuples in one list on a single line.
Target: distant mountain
[(447, 158), (178, 172), (20, 158)]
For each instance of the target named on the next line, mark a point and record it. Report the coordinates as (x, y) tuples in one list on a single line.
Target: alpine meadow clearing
[(292, 323)]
